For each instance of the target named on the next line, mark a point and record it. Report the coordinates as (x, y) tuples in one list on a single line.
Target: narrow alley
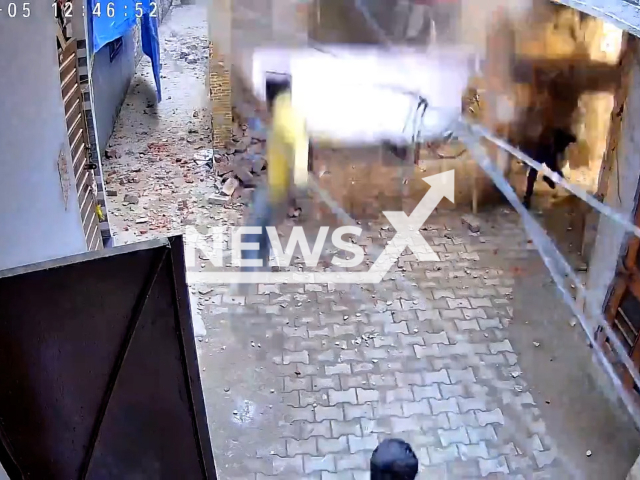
[(479, 366)]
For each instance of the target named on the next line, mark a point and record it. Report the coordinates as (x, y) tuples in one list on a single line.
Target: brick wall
[(220, 95), (236, 29)]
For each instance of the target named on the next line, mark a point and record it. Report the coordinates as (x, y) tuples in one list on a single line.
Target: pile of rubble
[(165, 184), (238, 167), (191, 50)]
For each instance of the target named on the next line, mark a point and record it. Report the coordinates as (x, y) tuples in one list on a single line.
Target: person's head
[(393, 459)]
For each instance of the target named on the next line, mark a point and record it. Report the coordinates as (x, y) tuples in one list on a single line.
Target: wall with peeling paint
[(622, 194), (34, 224)]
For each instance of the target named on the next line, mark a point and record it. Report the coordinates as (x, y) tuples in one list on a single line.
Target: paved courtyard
[(471, 359), (315, 376)]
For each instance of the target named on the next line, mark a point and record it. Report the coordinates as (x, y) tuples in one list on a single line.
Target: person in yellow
[(287, 170)]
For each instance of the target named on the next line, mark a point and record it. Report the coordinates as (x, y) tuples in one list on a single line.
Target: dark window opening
[(277, 83), (114, 48)]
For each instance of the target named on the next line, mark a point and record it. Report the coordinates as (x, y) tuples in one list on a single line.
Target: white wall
[(611, 239), (34, 223)]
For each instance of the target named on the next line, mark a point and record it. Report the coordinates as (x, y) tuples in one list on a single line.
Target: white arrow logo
[(408, 236), (408, 227)]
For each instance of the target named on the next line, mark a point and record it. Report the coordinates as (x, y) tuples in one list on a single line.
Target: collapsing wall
[(236, 29), (562, 74), (219, 78)]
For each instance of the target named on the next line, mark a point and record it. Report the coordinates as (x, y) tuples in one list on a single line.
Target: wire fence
[(559, 268)]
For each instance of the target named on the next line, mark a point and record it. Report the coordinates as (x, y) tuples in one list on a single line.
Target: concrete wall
[(611, 239), (111, 80), (35, 224), (110, 85)]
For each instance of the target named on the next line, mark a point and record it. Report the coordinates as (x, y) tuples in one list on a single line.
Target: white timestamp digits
[(13, 10)]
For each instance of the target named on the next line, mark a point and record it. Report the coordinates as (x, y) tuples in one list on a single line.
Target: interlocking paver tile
[(362, 363)]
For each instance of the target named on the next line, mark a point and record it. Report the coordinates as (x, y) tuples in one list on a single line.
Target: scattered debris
[(230, 186), (111, 153), (131, 198), (294, 212), (472, 222), (258, 164), (242, 145), (244, 175), (142, 220), (112, 193), (216, 199), (204, 157)]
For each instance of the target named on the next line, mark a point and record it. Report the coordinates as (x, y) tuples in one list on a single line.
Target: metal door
[(83, 169), (100, 377)]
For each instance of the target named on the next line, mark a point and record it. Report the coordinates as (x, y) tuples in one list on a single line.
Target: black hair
[(393, 459)]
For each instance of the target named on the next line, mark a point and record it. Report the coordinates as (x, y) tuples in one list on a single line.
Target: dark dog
[(549, 152), (393, 459)]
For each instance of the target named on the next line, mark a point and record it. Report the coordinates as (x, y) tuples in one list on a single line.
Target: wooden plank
[(88, 210), (67, 66), (72, 110), (80, 158), (67, 61), (610, 158), (84, 197), (68, 82), (95, 239), (76, 122), (71, 95), (81, 178), (76, 142), (60, 36), (611, 309)]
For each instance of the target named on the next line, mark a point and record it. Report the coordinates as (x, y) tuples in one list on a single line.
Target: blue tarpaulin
[(113, 19)]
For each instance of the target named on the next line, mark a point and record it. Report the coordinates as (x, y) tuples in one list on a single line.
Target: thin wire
[(548, 249), (481, 131), (340, 213), (577, 191), (517, 431), (508, 191)]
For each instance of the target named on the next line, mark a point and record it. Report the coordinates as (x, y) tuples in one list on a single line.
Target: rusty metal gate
[(623, 309), (101, 376), (83, 169)]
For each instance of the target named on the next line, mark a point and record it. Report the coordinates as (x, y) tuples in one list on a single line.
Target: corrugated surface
[(104, 378), (622, 14)]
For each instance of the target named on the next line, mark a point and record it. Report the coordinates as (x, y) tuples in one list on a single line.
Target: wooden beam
[(581, 74), (610, 157), (627, 59)]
